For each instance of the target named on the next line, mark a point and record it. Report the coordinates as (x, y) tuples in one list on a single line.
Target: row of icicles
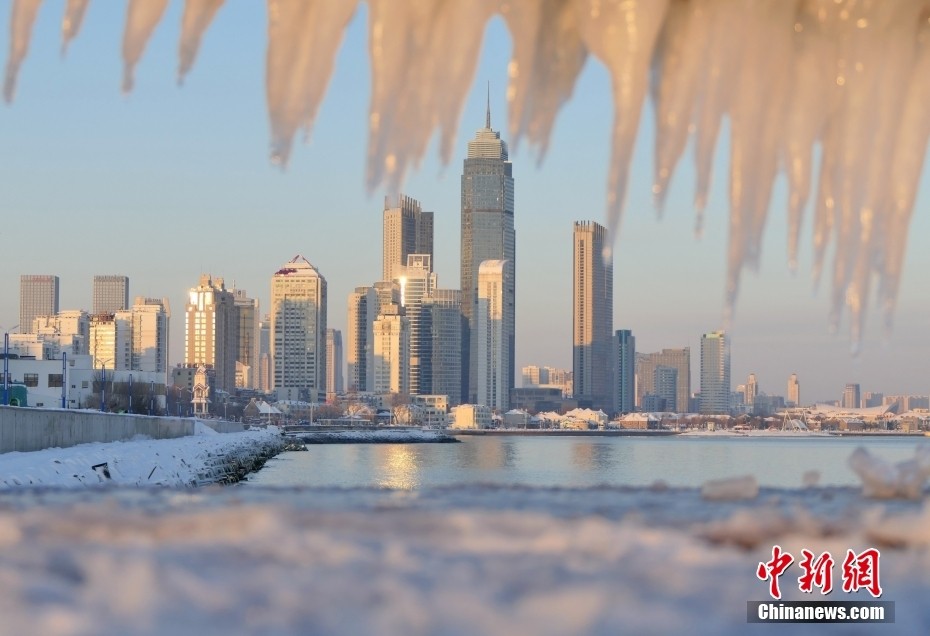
[(851, 77)]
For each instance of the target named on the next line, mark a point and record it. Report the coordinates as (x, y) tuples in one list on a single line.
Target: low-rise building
[(470, 416)]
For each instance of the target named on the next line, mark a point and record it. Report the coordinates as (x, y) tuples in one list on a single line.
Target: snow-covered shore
[(206, 457)]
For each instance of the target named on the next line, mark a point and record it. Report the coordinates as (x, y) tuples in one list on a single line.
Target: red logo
[(860, 571)]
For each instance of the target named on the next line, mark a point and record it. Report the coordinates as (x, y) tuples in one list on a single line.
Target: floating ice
[(850, 78), (882, 480), (731, 489)]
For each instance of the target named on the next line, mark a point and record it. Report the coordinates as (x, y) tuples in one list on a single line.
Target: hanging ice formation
[(849, 76)]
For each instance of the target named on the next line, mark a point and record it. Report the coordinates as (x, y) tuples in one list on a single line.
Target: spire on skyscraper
[(487, 121)]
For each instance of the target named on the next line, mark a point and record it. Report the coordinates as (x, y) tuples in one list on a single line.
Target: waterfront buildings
[(391, 349), (678, 359), (407, 230), (111, 294), (298, 331), (794, 390), (247, 359), (487, 234), (442, 320), (38, 296), (211, 330), (417, 282), (715, 373), (494, 336), (851, 398), (752, 391), (362, 313), (334, 362), (592, 316), (623, 371)]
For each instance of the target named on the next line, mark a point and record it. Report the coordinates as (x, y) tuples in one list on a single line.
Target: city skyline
[(128, 164)]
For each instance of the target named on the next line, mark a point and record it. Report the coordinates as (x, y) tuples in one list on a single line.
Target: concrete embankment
[(27, 429)]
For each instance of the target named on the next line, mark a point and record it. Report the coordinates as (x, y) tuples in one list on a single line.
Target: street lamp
[(6, 364)]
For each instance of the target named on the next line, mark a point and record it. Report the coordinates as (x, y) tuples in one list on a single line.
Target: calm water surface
[(576, 462)]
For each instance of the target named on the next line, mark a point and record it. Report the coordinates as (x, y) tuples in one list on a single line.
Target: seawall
[(29, 429)]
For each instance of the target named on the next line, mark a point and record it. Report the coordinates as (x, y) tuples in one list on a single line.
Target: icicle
[(303, 37), (198, 14), (141, 19), (71, 23), (415, 88), (548, 55), (21, 21), (622, 36)]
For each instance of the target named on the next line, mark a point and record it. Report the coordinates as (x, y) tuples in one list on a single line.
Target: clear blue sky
[(170, 182)]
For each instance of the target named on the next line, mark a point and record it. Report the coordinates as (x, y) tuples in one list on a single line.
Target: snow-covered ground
[(181, 461)]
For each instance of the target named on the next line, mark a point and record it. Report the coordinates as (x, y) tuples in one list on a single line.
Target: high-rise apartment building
[(487, 234), (592, 316), (150, 319), (679, 359), (407, 230), (417, 282), (111, 294), (70, 328), (364, 306), (247, 360), (494, 333), (110, 341), (851, 396), (38, 296), (752, 391), (715, 373), (794, 390), (623, 374), (441, 318), (211, 331), (264, 354), (334, 361), (391, 351), (666, 387), (298, 330)]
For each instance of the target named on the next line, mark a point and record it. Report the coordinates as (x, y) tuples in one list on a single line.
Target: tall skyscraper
[(363, 311), (679, 359), (623, 364), (111, 294), (38, 296), (391, 351), (334, 361), (851, 396), (715, 373), (298, 330), (407, 230), (794, 390), (264, 354), (441, 318), (592, 316), (211, 331), (666, 387), (494, 334), (487, 234), (247, 360)]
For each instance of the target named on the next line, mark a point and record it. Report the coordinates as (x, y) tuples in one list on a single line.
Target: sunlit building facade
[(38, 296), (592, 316), (298, 331), (715, 373), (111, 293)]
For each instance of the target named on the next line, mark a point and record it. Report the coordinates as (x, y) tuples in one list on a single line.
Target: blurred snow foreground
[(849, 77), (459, 559), (455, 560)]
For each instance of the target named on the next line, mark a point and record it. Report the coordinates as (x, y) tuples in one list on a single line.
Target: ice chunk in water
[(882, 480), (730, 489)]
